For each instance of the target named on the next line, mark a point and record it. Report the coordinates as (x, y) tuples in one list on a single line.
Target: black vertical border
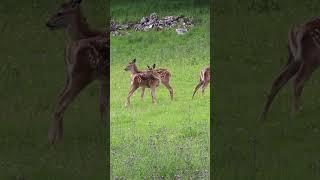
[(108, 169)]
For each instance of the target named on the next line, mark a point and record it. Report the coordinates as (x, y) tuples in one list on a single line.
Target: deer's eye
[(59, 14)]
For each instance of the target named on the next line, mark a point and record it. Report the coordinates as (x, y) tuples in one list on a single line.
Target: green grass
[(32, 73), (169, 138), (250, 49)]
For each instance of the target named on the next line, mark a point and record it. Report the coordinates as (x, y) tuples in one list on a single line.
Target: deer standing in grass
[(165, 76), (144, 79), (86, 58), (203, 81), (303, 60)]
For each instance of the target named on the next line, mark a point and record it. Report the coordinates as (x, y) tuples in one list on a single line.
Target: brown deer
[(165, 76), (203, 81), (87, 59), (144, 79), (303, 60)]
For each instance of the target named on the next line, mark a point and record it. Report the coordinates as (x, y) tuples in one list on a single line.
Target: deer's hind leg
[(196, 88), (301, 78), (167, 85), (75, 85), (65, 85), (203, 87)]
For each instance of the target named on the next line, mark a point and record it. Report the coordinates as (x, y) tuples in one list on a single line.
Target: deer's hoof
[(54, 136), (262, 117), (297, 109), (51, 137)]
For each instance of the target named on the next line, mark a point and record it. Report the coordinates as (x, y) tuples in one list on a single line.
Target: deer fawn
[(203, 81), (165, 76), (303, 60), (144, 79), (86, 58)]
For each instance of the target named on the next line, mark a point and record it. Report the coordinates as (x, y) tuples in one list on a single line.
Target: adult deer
[(303, 60), (203, 81), (86, 58), (144, 79)]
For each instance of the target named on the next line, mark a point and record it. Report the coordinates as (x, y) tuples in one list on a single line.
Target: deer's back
[(164, 73), (144, 79), (91, 55)]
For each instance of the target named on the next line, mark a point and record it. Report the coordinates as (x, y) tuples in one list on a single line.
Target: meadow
[(32, 74), (250, 49), (169, 139)]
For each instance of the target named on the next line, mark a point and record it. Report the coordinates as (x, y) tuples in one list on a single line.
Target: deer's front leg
[(74, 87), (131, 91), (153, 94), (103, 101), (301, 78)]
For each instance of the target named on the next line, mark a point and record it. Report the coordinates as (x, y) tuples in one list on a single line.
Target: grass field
[(250, 48), (170, 138), (32, 73)]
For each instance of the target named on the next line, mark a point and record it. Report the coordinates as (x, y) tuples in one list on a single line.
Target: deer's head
[(154, 74), (131, 66), (149, 68), (64, 15)]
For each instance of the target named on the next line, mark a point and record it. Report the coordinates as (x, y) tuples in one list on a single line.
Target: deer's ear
[(148, 67), (154, 66), (134, 60)]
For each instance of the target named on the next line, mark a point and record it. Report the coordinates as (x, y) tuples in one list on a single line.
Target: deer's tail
[(289, 71)]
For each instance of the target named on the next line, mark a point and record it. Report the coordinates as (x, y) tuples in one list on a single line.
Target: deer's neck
[(134, 70), (79, 29)]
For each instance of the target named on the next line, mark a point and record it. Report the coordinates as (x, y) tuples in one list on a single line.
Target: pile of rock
[(153, 22)]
